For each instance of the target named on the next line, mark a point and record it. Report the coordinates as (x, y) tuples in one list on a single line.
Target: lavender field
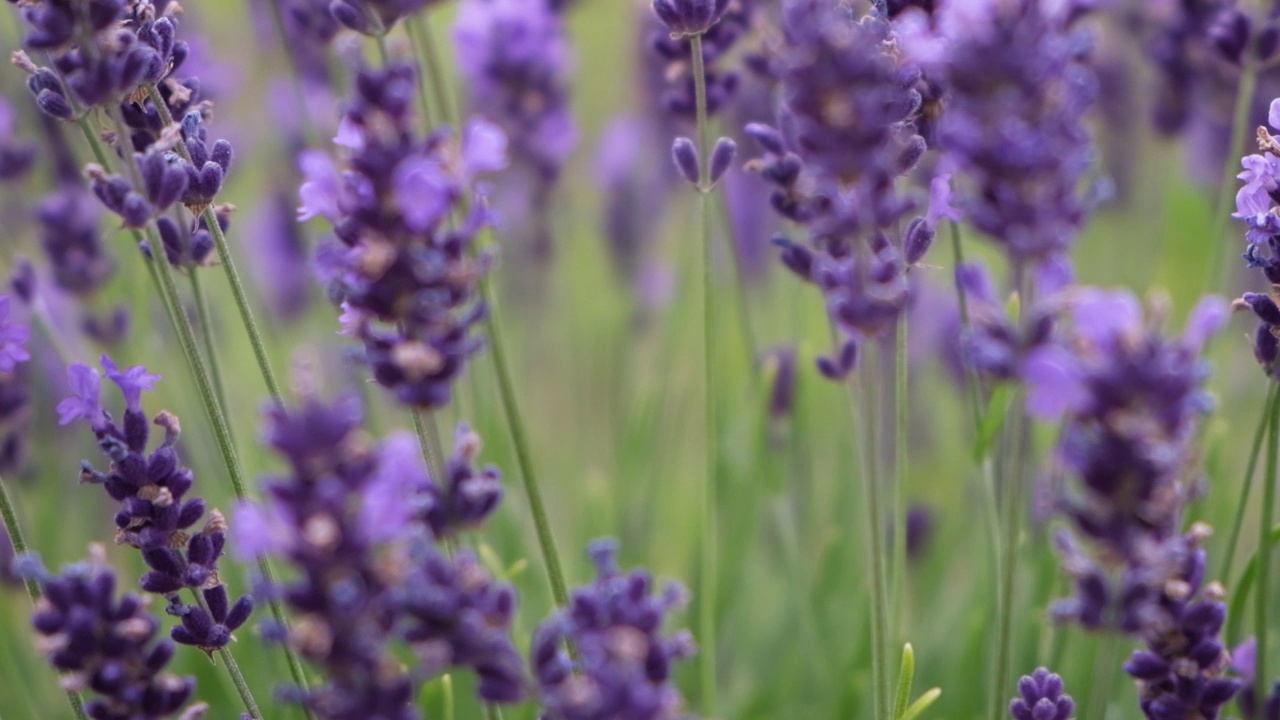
[(639, 359)]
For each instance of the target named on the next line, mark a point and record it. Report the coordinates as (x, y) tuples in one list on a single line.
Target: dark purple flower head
[(689, 17), (106, 644), (517, 61), (456, 615), (625, 661), (407, 280), (674, 75), (1041, 698), (466, 496), (13, 338), (68, 223), (16, 156), (1017, 90)]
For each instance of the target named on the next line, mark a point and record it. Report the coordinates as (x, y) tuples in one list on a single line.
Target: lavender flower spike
[(107, 644), (13, 338), (1042, 698), (689, 17)]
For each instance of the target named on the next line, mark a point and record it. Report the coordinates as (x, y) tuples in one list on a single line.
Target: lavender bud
[(722, 157), (917, 240), (686, 158)]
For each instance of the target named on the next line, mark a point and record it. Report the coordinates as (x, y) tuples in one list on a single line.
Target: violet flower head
[(835, 167), (68, 231), (1017, 91), (1041, 698), (407, 282), (16, 156), (722, 25), (689, 17), (128, 46), (1180, 674), (456, 615), (467, 495), (1256, 205), (625, 661), (155, 515), (516, 59), (13, 338), (106, 644)]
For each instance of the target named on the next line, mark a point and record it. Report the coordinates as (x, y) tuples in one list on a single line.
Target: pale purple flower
[(940, 206), (1273, 114), (484, 148), (1206, 319), (1104, 316), (1260, 176), (349, 135), (86, 383), (132, 382), (424, 192), (255, 531), (13, 336), (387, 500), (1244, 658), (1054, 383), (321, 190)]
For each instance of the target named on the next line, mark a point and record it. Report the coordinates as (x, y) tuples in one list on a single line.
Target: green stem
[(428, 431), (1263, 589), (20, 548), (1254, 451), (424, 46), (707, 574), (1227, 185), (864, 435), (524, 457), (228, 265), (206, 335), (1103, 672), (901, 417)]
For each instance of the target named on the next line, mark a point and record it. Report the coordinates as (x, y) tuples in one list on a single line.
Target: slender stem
[(428, 431), (707, 574), (228, 265), (524, 457), (901, 416), (1254, 451), (424, 46), (1103, 672), (1263, 585), (1227, 185), (864, 437), (740, 287), (19, 543), (206, 335)]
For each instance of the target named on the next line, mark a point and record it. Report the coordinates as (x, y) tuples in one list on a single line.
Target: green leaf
[(905, 678), (922, 703), (993, 419)]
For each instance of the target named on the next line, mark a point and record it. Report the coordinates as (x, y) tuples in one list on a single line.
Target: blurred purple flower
[(13, 338)]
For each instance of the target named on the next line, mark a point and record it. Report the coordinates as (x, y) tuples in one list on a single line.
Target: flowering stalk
[(1264, 548), (864, 435), (228, 264), (19, 543), (1246, 489)]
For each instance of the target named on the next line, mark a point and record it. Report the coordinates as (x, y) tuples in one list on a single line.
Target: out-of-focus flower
[(1042, 698)]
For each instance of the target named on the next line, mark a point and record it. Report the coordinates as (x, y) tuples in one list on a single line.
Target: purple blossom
[(132, 382), (387, 505), (1042, 698), (107, 644), (465, 496), (13, 338), (625, 661), (86, 385), (321, 190)]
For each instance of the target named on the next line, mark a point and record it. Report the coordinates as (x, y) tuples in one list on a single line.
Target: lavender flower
[(1042, 698), (1244, 662), (625, 662), (835, 167), (466, 497), (1017, 91), (154, 516), (16, 156), (13, 338), (107, 644), (407, 282), (516, 59), (15, 397), (69, 235), (367, 569), (721, 24)]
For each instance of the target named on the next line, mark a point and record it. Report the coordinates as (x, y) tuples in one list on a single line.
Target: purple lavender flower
[(1042, 698), (466, 497), (1013, 124), (835, 166), (516, 59), (625, 661), (722, 25), (13, 338), (154, 515), (689, 17), (1244, 662), (343, 509), (107, 645), (69, 235), (16, 156), (407, 282)]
